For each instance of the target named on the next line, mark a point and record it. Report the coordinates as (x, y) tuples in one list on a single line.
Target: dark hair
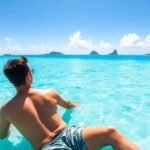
[(16, 71)]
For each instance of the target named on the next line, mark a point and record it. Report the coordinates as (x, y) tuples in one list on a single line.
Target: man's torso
[(35, 115)]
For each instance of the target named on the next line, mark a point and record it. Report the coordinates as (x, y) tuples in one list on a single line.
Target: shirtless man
[(34, 113)]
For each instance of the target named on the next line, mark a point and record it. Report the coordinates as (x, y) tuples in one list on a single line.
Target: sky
[(74, 26)]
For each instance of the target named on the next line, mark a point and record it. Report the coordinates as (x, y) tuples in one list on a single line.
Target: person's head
[(18, 72)]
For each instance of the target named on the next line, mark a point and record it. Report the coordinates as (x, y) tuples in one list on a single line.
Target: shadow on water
[(6, 144), (67, 115), (107, 148)]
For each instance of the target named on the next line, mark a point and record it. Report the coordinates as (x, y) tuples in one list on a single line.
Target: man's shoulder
[(52, 92), (43, 91), (5, 106)]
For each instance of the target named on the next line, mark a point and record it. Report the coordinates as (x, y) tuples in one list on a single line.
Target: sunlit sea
[(112, 90)]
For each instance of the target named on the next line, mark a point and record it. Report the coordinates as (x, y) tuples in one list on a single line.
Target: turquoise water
[(112, 90)]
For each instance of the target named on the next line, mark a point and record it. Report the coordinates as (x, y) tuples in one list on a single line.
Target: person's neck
[(23, 89)]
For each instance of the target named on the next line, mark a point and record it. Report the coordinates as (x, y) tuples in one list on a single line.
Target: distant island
[(7, 54), (114, 52), (94, 53), (55, 53)]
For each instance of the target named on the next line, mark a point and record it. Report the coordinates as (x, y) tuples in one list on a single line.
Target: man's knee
[(111, 130), (115, 138), (112, 133)]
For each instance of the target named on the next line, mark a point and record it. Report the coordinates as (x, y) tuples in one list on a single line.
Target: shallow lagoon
[(112, 90)]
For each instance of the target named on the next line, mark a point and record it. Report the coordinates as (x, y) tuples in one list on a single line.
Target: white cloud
[(135, 41), (14, 47), (76, 42), (147, 39), (139, 44), (10, 45), (8, 40), (130, 43), (105, 45), (146, 43), (130, 40)]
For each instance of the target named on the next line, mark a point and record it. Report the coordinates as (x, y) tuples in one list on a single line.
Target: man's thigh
[(96, 137)]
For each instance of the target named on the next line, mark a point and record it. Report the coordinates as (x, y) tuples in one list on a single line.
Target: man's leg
[(98, 137)]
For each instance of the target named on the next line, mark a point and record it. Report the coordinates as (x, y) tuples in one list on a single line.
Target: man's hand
[(63, 102), (72, 104)]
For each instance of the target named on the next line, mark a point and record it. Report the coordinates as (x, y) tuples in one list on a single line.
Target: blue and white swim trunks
[(69, 138)]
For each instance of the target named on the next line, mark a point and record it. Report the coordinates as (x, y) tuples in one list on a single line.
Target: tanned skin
[(34, 113)]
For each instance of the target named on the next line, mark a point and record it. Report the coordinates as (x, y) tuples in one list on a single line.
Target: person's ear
[(28, 77)]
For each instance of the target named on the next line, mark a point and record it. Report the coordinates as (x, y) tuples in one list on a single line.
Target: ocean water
[(112, 90)]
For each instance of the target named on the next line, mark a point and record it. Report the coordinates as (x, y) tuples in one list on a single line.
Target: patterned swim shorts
[(69, 138)]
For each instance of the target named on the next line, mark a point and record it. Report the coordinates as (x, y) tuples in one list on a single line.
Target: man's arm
[(63, 102), (4, 125)]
